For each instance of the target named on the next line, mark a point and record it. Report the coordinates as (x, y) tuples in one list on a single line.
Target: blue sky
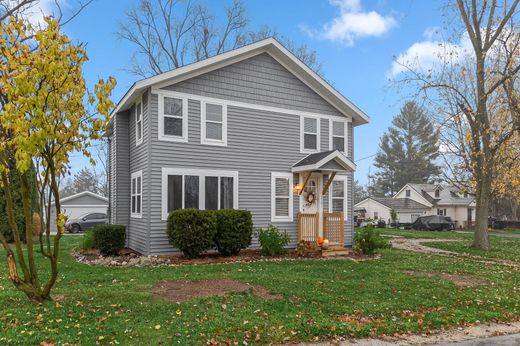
[(355, 40)]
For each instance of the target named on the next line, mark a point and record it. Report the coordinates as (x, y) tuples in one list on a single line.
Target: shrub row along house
[(415, 200), (253, 128)]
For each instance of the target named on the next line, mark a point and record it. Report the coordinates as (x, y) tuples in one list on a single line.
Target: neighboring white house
[(79, 204), (415, 200)]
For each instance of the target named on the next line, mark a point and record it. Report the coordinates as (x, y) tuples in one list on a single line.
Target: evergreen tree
[(360, 193), (84, 180), (14, 181), (407, 151)]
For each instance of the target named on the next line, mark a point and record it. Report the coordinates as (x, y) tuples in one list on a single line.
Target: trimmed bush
[(272, 241), (109, 239), (192, 231), (87, 242), (234, 231), (367, 240)]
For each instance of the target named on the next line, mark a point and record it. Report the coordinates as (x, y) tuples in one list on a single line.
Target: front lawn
[(321, 299), (501, 248), (411, 233)]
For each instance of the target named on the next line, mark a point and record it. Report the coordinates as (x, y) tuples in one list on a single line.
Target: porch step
[(335, 252)]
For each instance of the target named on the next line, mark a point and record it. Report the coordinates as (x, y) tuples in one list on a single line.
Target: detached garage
[(81, 203)]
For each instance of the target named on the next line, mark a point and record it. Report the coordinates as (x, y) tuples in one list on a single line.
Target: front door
[(310, 199)]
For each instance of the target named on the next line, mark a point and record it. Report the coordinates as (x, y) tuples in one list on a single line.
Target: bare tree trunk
[(481, 238), (514, 209)]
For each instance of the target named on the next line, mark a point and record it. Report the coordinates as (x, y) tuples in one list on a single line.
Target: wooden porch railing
[(334, 227), (308, 226)]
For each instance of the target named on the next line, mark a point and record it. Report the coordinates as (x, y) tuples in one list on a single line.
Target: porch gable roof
[(332, 160)]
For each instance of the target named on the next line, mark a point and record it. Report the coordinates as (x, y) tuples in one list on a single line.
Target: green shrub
[(367, 240), (234, 231), (88, 240), (272, 241), (109, 239), (192, 231)]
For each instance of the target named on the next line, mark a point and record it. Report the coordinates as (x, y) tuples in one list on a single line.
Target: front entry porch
[(323, 198), (333, 229)]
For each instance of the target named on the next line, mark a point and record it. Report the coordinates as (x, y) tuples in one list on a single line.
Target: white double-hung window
[(338, 135), (213, 123), (309, 134), (139, 122), (173, 118), (281, 196), (337, 195), (199, 189), (136, 194)]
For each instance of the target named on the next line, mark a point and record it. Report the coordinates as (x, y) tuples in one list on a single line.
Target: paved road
[(506, 340)]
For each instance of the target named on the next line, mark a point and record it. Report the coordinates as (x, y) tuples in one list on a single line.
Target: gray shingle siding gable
[(259, 142), (259, 80)]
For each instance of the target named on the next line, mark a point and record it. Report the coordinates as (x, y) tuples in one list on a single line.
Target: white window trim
[(169, 138), (331, 134), (302, 135), (135, 175), (208, 141), (275, 175), (137, 139), (345, 196), (202, 174)]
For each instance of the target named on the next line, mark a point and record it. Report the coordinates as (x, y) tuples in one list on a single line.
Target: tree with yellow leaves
[(46, 113)]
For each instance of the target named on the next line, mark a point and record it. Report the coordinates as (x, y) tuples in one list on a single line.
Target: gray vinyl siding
[(120, 207), (259, 80), (259, 142), (270, 147), (138, 234)]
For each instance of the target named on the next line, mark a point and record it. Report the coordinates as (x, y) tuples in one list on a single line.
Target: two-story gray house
[(253, 128)]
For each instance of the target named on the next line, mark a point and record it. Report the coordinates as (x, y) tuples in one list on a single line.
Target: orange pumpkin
[(320, 240)]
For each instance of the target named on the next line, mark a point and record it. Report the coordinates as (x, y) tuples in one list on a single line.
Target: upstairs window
[(139, 123), (281, 197), (407, 192), (338, 136), (310, 138), (136, 194), (173, 118), (213, 124), (437, 193)]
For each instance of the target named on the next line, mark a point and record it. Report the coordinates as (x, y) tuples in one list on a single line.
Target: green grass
[(501, 248), (421, 234), (114, 305)]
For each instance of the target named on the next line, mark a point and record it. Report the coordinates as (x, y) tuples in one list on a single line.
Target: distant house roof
[(448, 195), (84, 195), (399, 204), (332, 160), (270, 46)]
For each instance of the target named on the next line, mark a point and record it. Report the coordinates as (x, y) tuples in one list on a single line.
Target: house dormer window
[(173, 118), (310, 138), (407, 193), (437, 193), (213, 124), (139, 123), (337, 137)]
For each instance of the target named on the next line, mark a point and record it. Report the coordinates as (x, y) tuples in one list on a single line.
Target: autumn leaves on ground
[(314, 300)]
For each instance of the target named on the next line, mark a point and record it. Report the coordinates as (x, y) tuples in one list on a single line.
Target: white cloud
[(354, 23), (35, 13), (426, 55)]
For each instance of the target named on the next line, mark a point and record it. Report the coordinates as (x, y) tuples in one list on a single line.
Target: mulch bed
[(130, 258), (179, 291)]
